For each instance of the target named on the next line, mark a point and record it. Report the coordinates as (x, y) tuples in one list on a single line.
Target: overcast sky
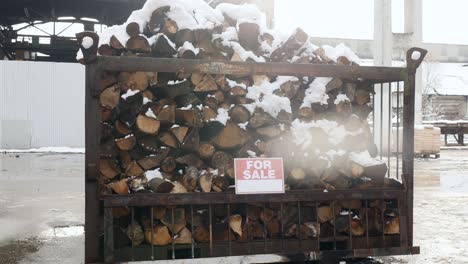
[(444, 21)]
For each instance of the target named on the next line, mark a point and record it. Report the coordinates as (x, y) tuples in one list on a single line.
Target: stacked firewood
[(179, 132), (256, 221)]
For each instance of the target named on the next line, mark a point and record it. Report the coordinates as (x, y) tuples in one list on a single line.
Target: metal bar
[(408, 147), (264, 232), (211, 229), (152, 234), (334, 225), (381, 120), (92, 139), (299, 216), (191, 230), (229, 229), (367, 224), (248, 227), (373, 115), (318, 223), (133, 233), (383, 223), (390, 127), (398, 133), (63, 29), (282, 227), (229, 196), (350, 230), (249, 68), (108, 236), (173, 228)]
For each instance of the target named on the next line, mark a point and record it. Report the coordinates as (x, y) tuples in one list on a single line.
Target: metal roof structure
[(58, 48)]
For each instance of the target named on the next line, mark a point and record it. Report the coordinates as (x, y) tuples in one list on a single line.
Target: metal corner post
[(92, 138), (413, 61)]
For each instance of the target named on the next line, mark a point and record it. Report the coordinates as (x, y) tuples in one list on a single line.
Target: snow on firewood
[(150, 113), (189, 46), (341, 98), (316, 93), (151, 174), (129, 93), (341, 49), (222, 116), (155, 38), (364, 158), (246, 13)]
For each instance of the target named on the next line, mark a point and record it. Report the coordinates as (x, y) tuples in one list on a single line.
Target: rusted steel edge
[(362, 253), (230, 197), (111, 63)]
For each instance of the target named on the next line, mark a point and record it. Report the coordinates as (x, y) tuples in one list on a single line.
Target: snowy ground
[(42, 209)]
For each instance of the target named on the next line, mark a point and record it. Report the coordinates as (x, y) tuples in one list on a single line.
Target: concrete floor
[(42, 209)]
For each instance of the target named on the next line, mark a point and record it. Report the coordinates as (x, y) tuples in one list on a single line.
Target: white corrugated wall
[(41, 104)]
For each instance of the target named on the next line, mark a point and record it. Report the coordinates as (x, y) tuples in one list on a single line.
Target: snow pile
[(316, 93), (246, 13), (150, 113), (45, 150), (303, 135), (189, 46), (156, 37)]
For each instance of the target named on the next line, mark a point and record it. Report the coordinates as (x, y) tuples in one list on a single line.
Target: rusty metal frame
[(100, 208)]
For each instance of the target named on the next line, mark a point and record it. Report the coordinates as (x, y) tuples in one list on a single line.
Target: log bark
[(148, 125)]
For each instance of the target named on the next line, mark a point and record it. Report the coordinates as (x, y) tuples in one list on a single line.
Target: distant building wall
[(451, 107), (41, 104)]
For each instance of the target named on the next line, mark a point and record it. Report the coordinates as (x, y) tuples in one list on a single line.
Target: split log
[(122, 128), (191, 141), (147, 125), (178, 188), (168, 139), (248, 34), (223, 162), (239, 114), (170, 27), (235, 223), (269, 131), (110, 97), (183, 237), (191, 160), (190, 178), (167, 115), (119, 187), (201, 234), (220, 184), (133, 81), (206, 150), (232, 136), (206, 84), (362, 97), (168, 164), (138, 44), (179, 132), (392, 226), (135, 234), (184, 35), (260, 118), (159, 185), (205, 181), (163, 47), (134, 169), (176, 216), (133, 29), (192, 117), (108, 168), (158, 235), (115, 43)]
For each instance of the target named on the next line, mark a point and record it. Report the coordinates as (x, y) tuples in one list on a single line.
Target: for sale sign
[(259, 175)]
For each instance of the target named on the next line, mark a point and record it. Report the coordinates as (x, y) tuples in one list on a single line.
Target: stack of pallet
[(179, 132), (426, 140)]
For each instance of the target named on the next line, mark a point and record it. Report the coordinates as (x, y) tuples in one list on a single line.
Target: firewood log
[(206, 150), (168, 139), (179, 219), (183, 237), (235, 223), (138, 44), (108, 168), (133, 81), (267, 215), (220, 184), (115, 43), (190, 178), (239, 114), (135, 234), (222, 161), (392, 226), (201, 234), (192, 117), (205, 181), (274, 228), (249, 35), (119, 187), (232, 136), (191, 160), (180, 132), (178, 188), (184, 35), (168, 164), (134, 169), (170, 27), (206, 84), (133, 29), (158, 235), (269, 131), (260, 118), (362, 97), (167, 115), (110, 97), (163, 47), (148, 125), (159, 185)]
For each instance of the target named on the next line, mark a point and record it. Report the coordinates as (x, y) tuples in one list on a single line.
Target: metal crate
[(99, 219)]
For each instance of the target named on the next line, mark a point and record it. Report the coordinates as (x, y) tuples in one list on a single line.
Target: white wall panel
[(45, 98)]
